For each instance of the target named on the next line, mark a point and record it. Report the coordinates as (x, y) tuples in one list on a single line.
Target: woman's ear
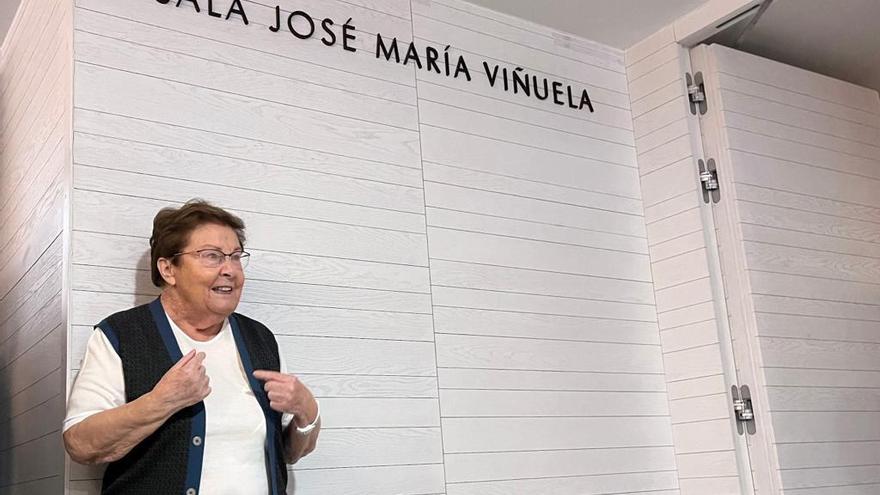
[(166, 269)]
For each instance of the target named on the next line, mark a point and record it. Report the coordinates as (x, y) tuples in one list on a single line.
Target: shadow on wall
[(5, 425), (143, 283), (5, 386)]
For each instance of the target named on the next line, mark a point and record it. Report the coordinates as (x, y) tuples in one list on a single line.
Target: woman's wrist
[(156, 407), (303, 423)]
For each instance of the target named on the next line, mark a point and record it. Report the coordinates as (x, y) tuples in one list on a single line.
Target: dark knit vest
[(169, 461)]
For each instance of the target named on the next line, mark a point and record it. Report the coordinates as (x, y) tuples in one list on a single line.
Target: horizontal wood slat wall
[(805, 165), (548, 355), (317, 149), (35, 107), (703, 433), (461, 273)]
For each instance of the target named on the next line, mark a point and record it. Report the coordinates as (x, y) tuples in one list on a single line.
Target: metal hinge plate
[(742, 409), (709, 180), (696, 93)]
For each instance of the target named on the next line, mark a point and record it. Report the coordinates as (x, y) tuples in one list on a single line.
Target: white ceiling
[(7, 12), (839, 38), (617, 23)]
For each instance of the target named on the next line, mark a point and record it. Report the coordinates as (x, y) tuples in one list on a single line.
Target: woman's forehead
[(213, 234)]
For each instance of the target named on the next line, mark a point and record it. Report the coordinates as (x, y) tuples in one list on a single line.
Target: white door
[(798, 226)]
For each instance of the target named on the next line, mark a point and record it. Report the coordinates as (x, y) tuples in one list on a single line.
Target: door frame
[(741, 353)]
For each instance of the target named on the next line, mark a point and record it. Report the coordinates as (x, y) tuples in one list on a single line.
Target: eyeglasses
[(212, 258)]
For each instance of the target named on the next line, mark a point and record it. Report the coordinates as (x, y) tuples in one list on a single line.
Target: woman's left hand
[(289, 395)]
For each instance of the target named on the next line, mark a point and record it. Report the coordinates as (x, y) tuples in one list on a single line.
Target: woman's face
[(209, 291)]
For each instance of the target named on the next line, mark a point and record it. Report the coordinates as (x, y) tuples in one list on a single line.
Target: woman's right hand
[(111, 434), (184, 384)]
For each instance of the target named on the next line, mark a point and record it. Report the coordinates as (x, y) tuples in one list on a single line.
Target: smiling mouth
[(222, 290)]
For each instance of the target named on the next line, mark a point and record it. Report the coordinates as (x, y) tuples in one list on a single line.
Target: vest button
[(197, 440), (191, 491)]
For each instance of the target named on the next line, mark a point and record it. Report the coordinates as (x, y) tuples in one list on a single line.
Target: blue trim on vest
[(263, 398), (110, 334), (197, 424), (161, 320)]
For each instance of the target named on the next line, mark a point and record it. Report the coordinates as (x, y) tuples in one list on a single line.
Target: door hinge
[(696, 92), (709, 180), (742, 408)]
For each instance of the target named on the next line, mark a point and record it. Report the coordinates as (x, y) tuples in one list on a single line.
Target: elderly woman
[(183, 395)]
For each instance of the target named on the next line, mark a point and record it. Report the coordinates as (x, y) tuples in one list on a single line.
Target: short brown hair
[(173, 226)]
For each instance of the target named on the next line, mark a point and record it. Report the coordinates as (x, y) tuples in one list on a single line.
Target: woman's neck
[(196, 325)]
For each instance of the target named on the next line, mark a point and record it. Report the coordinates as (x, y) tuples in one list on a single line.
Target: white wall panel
[(687, 316), (542, 293), (803, 155), (35, 109), (318, 150), (442, 261)]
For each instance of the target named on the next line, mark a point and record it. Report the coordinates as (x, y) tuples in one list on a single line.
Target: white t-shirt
[(235, 428)]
